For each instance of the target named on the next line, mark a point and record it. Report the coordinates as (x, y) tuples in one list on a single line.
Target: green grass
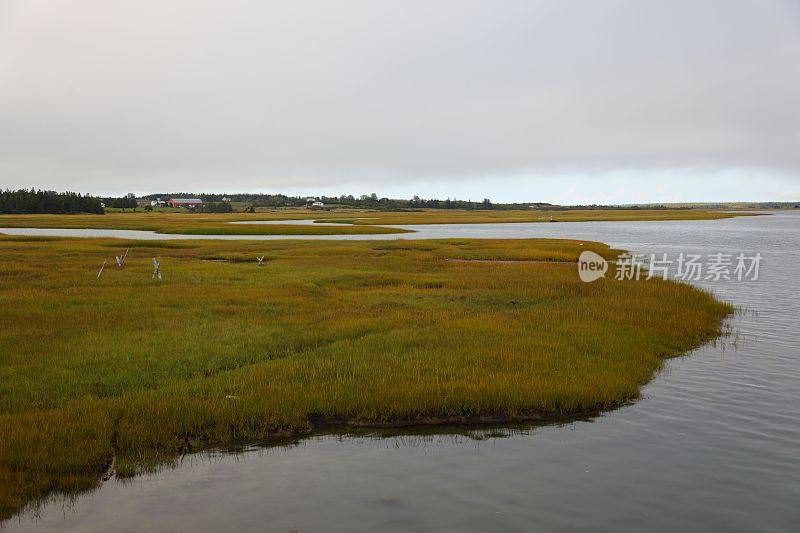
[(362, 332)]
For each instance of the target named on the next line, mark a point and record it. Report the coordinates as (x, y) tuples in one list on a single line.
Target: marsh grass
[(352, 332), (191, 224), (363, 221)]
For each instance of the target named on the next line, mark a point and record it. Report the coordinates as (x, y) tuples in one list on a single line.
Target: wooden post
[(157, 269), (101, 270), (121, 258)]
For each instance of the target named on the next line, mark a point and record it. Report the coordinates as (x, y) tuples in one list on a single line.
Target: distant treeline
[(727, 205), (32, 201), (126, 202), (371, 201)]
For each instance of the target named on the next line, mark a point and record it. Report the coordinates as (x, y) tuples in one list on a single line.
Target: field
[(129, 371), (364, 221)]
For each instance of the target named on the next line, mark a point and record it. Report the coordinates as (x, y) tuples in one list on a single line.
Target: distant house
[(158, 202), (317, 204), (184, 202)]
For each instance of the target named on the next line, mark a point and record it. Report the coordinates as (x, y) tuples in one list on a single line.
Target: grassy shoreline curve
[(361, 333)]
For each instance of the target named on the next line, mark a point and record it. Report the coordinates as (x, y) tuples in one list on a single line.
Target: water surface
[(714, 444)]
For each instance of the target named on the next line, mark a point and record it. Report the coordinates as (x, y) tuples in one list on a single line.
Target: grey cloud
[(104, 94)]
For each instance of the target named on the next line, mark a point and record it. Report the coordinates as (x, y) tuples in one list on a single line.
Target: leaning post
[(121, 258)]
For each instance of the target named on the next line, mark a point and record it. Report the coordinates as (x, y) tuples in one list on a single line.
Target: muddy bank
[(321, 425)]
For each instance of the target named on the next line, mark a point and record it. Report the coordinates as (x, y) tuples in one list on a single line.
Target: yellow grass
[(364, 221), (360, 332)]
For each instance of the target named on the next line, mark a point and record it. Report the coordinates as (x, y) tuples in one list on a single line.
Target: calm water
[(713, 445)]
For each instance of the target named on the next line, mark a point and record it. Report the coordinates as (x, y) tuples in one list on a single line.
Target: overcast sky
[(569, 102)]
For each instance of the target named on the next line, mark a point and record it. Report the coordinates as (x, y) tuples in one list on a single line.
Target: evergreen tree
[(36, 201)]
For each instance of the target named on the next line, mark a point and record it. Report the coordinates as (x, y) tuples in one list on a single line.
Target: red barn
[(184, 202)]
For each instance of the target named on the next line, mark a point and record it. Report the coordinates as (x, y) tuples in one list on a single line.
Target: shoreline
[(319, 427), (123, 467)]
